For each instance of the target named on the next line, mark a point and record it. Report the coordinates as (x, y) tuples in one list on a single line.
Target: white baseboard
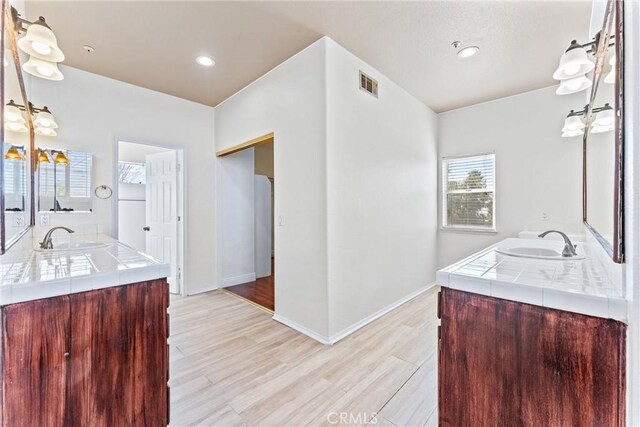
[(303, 330), (351, 329), (364, 322), (202, 290), (237, 280)]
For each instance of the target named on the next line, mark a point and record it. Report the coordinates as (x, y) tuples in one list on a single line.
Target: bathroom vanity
[(84, 336), (530, 341)]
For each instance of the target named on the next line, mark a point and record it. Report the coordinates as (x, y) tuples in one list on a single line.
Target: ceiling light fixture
[(40, 43), (206, 61), (468, 51)]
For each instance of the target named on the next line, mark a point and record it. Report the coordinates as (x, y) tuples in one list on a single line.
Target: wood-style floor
[(232, 365), (261, 291)]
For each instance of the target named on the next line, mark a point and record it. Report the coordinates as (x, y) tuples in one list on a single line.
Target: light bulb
[(45, 71), (41, 48)]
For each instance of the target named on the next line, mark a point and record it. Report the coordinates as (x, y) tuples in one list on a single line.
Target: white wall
[(537, 171), (263, 224), (95, 112), (237, 215), (290, 101), (381, 186)]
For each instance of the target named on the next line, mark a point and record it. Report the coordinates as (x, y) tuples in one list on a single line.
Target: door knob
[(146, 228)]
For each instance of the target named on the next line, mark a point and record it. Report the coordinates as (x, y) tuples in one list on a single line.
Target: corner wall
[(381, 194), (290, 101), (537, 171)]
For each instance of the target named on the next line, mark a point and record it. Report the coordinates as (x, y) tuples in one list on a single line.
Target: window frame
[(444, 162)]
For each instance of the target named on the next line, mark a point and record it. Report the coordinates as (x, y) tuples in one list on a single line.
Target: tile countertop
[(579, 286), (28, 275)]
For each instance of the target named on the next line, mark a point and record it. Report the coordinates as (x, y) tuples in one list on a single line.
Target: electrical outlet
[(44, 220), (280, 221), (18, 220), (544, 216)]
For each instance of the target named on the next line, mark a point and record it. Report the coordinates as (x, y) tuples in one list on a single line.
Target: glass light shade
[(13, 154), (13, 114), (41, 43), (61, 159), (16, 127), (468, 51), (46, 131), (573, 123), (604, 118), (43, 157), (610, 78), (44, 119), (573, 63), (572, 133), (44, 69), (601, 129), (573, 85)]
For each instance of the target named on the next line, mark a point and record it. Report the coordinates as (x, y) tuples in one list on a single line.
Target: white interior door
[(162, 211)]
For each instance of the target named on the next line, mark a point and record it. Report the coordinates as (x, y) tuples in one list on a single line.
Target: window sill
[(469, 230)]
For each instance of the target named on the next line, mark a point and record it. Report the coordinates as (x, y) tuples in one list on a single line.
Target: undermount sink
[(72, 246), (536, 252)]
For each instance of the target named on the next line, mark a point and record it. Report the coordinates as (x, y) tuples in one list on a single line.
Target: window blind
[(469, 192), (79, 170)]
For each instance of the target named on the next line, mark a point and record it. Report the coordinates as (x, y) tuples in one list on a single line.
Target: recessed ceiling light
[(206, 61), (468, 51)]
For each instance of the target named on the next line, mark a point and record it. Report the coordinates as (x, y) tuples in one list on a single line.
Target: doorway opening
[(151, 204), (247, 221)]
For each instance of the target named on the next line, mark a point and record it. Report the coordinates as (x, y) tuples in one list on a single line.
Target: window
[(132, 173), (66, 187), (468, 199)]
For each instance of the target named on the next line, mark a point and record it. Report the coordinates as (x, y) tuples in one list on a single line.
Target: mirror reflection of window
[(64, 181), (15, 178)]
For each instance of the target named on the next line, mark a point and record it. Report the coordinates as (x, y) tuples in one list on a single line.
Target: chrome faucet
[(47, 243), (569, 248)]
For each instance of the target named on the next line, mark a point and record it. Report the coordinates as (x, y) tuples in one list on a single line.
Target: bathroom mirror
[(603, 139), (17, 214), (64, 180)]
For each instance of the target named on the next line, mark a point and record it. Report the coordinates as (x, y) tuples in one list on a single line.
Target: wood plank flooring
[(261, 291), (232, 365)]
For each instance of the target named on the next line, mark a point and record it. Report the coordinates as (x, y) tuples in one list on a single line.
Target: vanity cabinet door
[(503, 363), (119, 358), (35, 362)]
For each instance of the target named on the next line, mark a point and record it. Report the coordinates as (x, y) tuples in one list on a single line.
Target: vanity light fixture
[(573, 85), (44, 119), (40, 43), (13, 153), (59, 158), (574, 62), (604, 121), (43, 157), (610, 78), (206, 61), (13, 119)]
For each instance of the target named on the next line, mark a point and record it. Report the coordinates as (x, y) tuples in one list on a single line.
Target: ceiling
[(153, 44)]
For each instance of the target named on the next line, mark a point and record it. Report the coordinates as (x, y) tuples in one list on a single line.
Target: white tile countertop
[(27, 274), (579, 286)]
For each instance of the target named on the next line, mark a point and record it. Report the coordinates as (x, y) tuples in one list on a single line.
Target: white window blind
[(79, 170), (469, 192)]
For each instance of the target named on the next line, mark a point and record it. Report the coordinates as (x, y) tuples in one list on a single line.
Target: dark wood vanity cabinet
[(97, 358), (503, 363)]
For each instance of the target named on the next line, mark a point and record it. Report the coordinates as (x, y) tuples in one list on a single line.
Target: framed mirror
[(16, 211), (64, 181), (603, 142)]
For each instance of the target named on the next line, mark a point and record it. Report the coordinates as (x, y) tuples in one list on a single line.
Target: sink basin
[(533, 252), (72, 246)]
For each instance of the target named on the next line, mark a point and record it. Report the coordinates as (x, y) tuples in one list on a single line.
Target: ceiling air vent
[(368, 84)]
